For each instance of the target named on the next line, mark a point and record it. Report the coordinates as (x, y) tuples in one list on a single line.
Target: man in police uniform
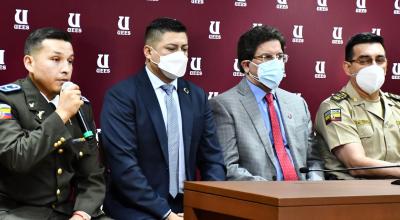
[(360, 124), (47, 171)]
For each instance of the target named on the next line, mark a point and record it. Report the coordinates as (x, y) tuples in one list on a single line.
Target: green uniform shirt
[(347, 118), (41, 161)]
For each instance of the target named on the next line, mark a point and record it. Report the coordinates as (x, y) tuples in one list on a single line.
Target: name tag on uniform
[(362, 122), (332, 115)]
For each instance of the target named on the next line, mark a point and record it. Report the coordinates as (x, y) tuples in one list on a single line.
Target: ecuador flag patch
[(5, 111), (332, 115)]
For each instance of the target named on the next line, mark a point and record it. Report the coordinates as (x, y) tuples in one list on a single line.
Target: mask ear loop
[(251, 74), (157, 54)]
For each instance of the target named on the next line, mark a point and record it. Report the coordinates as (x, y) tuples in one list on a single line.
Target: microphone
[(87, 133), (307, 170)]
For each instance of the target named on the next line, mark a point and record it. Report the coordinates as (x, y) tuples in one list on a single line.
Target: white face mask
[(371, 78), (172, 65)]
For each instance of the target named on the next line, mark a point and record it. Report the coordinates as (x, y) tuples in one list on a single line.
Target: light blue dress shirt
[(263, 106)]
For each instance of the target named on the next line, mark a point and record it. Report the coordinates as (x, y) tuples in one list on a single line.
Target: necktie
[(173, 139), (287, 167)]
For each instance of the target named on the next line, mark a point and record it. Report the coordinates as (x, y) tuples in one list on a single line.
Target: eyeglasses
[(267, 57), (367, 60)]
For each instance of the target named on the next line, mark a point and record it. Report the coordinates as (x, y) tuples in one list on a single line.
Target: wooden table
[(322, 200)]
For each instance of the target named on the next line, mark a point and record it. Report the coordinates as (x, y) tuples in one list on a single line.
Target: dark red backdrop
[(313, 29)]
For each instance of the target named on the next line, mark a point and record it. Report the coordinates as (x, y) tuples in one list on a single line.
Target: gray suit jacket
[(248, 152)]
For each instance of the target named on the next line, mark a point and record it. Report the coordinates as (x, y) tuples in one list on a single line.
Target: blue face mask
[(270, 73)]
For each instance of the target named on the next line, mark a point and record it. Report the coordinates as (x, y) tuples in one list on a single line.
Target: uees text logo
[(74, 23), (322, 5), (361, 6), (337, 35), (21, 19), (2, 64), (123, 25), (298, 34), (195, 67), (240, 3), (236, 70), (282, 4), (102, 64), (320, 70), (214, 30), (396, 71), (197, 2)]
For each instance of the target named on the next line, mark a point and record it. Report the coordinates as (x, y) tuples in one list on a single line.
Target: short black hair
[(161, 25), (36, 37), (253, 38), (361, 38)]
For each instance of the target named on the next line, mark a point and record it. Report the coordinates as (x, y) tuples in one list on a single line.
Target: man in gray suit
[(266, 132)]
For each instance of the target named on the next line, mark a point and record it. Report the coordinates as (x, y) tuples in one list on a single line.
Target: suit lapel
[(187, 116), (251, 107), (153, 107)]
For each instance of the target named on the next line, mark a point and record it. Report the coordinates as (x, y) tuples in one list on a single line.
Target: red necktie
[(287, 167)]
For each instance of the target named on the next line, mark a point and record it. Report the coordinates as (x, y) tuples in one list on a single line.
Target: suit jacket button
[(59, 171), (58, 192), (80, 153), (60, 151)]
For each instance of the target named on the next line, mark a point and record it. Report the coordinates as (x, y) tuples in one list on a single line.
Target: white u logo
[(75, 23), (123, 23), (21, 18), (102, 61), (214, 27)]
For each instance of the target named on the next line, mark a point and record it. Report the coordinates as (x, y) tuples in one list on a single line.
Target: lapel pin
[(32, 104), (186, 90), (40, 114), (290, 115)]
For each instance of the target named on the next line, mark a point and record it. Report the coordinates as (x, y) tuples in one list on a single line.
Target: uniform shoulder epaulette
[(85, 99), (10, 88), (339, 96), (393, 96)]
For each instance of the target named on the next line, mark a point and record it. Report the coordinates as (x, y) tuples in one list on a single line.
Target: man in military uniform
[(47, 170), (360, 124)]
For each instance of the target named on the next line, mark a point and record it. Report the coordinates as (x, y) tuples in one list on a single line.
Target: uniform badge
[(10, 88), (332, 115), (5, 111), (339, 96), (186, 90), (40, 114)]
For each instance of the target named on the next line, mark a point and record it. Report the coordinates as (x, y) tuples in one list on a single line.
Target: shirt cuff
[(167, 214)]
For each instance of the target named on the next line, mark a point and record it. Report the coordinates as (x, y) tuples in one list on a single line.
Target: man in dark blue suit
[(157, 129)]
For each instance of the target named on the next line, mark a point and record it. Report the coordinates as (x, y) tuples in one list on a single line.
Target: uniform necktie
[(173, 139), (286, 164)]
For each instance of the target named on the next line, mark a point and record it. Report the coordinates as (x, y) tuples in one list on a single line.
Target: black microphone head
[(304, 170)]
